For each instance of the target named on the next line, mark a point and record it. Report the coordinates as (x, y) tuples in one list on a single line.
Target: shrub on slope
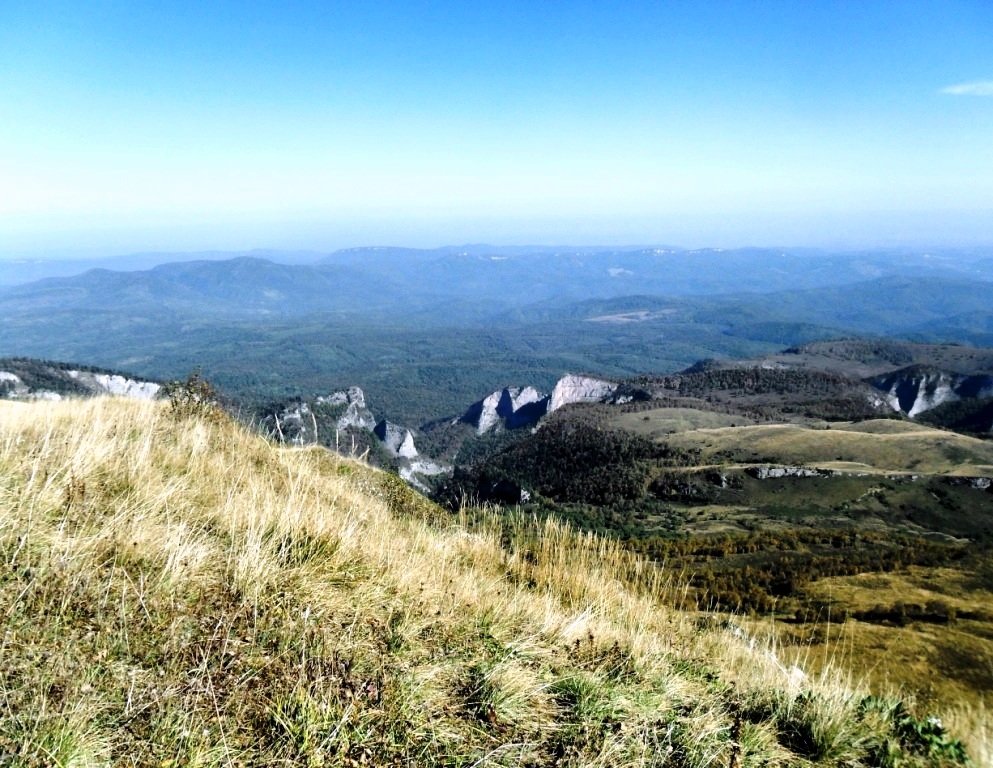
[(181, 592)]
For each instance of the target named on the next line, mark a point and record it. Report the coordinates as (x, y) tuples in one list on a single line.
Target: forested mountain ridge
[(426, 332)]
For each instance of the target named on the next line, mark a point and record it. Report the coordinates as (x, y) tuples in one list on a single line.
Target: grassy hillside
[(177, 591), (742, 513), (947, 647), (872, 446), (656, 423)]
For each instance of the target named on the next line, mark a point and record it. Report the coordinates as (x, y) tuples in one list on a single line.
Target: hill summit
[(180, 591)]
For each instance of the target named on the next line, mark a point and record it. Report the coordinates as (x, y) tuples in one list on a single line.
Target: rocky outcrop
[(486, 413), (338, 421), (301, 422), (12, 386), (978, 482), (37, 380), (526, 406), (770, 472), (113, 384), (514, 407), (355, 413), (511, 407), (917, 389), (580, 389), (396, 439), (295, 424), (411, 466), (418, 471)]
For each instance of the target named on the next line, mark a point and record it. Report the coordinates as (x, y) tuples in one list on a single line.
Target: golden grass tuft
[(178, 591)]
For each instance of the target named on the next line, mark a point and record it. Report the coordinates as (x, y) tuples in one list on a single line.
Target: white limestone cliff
[(579, 389), (509, 407), (356, 413), (396, 439), (915, 390), (112, 384)]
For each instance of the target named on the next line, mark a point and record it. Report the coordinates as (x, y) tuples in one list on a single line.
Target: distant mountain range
[(26, 269), (425, 331)]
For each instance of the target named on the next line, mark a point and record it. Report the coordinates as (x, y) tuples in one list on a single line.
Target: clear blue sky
[(125, 126)]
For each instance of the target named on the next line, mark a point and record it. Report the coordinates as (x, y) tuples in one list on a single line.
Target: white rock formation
[(112, 384), (918, 394), (519, 397), (766, 472), (579, 389), (917, 389), (92, 383), (489, 416), (356, 413), (295, 424), (413, 471), (396, 439), (524, 406), (511, 407), (13, 386)]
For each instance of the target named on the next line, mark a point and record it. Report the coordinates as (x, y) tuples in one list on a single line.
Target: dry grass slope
[(181, 592), (882, 446)]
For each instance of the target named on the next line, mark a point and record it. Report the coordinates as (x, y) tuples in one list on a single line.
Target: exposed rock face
[(12, 386), (111, 384), (411, 466), (396, 439), (295, 424), (917, 389), (511, 407), (415, 471), (344, 412), (515, 407), (489, 412), (979, 483), (915, 392), (579, 389), (298, 423), (765, 473), (526, 406), (74, 383), (356, 414)]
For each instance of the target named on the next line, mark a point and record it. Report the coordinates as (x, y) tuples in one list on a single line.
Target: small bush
[(193, 398)]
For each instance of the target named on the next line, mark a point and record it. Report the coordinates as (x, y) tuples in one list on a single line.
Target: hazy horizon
[(864, 233)]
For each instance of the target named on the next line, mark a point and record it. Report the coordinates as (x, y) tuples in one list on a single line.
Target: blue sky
[(321, 125)]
